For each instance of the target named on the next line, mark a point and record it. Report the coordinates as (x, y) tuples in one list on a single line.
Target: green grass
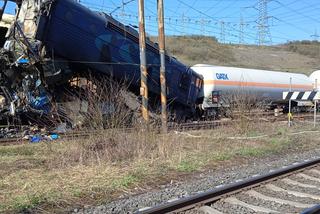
[(251, 152), (25, 202), (188, 166), (124, 182), (223, 156)]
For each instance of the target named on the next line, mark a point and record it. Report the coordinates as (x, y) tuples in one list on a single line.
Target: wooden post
[(161, 38), (143, 63)]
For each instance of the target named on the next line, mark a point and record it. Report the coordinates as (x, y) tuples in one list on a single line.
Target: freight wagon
[(225, 85)]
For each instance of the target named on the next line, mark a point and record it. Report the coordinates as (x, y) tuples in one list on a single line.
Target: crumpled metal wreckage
[(31, 84)]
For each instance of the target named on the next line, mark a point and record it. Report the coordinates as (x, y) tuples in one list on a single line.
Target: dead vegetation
[(56, 176), (244, 108), (97, 103)]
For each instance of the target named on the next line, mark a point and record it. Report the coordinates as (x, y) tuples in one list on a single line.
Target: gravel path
[(201, 182)]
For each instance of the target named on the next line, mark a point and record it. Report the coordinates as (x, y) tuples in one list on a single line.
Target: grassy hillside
[(302, 57), (307, 48), (198, 49)]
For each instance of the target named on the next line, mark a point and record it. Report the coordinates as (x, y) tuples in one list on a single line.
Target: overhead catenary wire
[(210, 26), (297, 12), (183, 19)]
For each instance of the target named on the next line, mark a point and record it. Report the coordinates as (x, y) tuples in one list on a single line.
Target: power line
[(205, 24), (200, 12), (297, 12)]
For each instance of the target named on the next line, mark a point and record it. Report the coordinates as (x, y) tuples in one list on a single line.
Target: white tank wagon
[(315, 78), (221, 83)]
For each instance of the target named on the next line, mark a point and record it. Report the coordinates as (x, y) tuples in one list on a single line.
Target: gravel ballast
[(201, 182)]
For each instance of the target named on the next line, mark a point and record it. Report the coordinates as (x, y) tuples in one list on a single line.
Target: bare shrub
[(107, 105), (100, 103), (244, 108)]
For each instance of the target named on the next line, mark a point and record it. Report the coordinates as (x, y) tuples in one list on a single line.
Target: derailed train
[(52, 41)]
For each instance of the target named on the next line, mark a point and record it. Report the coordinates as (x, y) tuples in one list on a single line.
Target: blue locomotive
[(92, 41)]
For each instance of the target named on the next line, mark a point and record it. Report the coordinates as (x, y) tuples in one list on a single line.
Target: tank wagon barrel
[(230, 83)]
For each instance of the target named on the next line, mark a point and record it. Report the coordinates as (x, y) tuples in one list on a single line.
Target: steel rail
[(220, 192)]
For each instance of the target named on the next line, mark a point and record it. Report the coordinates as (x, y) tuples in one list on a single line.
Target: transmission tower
[(222, 31), (241, 30), (264, 35), (315, 36), (203, 24), (183, 24)]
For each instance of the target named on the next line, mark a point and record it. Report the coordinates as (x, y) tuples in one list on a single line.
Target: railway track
[(21, 140), (199, 125), (291, 189)]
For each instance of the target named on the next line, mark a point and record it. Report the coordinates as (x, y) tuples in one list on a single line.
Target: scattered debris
[(40, 138)]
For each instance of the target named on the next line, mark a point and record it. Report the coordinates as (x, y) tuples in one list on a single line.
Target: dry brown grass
[(99, 102), (198, 49), (308, 48), (55, 176)]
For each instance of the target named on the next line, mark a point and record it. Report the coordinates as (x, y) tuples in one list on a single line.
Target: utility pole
[(264, 35), (143, 63), (162, 46)]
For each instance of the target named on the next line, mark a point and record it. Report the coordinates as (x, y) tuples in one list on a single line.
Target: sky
[(287, 20)]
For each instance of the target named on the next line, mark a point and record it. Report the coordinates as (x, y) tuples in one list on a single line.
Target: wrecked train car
[(52, 41)]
